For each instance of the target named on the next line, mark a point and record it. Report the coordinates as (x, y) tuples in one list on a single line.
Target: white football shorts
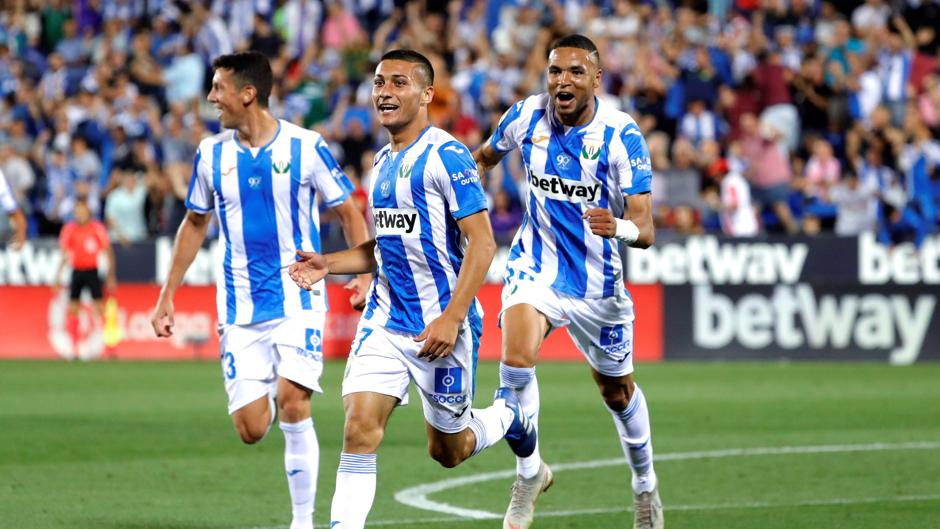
[(602, 329), (385, 361), (254, 356)]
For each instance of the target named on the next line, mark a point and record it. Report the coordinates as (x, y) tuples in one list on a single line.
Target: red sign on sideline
[(34, 325)]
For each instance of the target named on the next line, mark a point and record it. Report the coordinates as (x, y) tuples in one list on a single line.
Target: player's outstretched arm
[(486, 157), (311, 267), (189, 238), (441, 334), (356, 233), (635, 228)]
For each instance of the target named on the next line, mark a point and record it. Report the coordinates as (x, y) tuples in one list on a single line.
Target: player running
[(262, 178), (589, 186), (421, 322)]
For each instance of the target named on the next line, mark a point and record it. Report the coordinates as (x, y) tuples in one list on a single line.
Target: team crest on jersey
[(281, 167), (563, 161), (405, 170), (591, 150)]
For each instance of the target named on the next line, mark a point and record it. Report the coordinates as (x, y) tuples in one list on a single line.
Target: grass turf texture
[(149, 445)]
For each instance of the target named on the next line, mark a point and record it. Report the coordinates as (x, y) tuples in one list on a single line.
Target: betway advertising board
[(807, 299), (696, 298), (33, 313)]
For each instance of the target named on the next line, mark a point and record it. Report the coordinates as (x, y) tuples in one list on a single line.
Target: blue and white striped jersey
[(416, 197), (570, 170), (266, 203)]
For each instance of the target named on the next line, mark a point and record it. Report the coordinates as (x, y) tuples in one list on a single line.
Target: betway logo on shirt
[(397, 222), (551, 186)]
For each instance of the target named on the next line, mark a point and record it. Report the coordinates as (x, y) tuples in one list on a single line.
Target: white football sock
[(524, 381), (355, 491), (489, 425), (633, 427), (301, 462)]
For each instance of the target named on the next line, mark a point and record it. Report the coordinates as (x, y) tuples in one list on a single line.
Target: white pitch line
[(417, 496), (668, 508), (422, 491)]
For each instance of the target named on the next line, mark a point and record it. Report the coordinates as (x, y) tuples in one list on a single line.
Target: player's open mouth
[(564, 99), (386, 108)]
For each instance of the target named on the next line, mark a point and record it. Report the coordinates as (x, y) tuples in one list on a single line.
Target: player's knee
[(294, 410), (361, 435), (615, 397), (446, 458), (251, 432)]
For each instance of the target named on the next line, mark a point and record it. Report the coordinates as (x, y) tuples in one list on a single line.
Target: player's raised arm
[(441, 334), (189, 239)]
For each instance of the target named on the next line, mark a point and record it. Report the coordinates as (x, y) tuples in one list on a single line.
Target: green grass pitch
[(149, 446)]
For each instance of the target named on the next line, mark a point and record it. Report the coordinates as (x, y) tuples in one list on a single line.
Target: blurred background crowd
[(762, 116)]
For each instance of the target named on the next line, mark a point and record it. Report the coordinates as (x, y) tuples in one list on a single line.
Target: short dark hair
[(424, 65), (249, 68), (576, 40)]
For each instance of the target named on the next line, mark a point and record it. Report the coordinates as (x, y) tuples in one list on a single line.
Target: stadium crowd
[(820, 116)]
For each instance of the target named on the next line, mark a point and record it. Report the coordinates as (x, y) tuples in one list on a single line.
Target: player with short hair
[(589, 175), (262, 177), (17, 219), (421, 322)]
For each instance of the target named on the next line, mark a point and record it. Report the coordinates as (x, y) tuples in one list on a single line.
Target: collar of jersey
[(559, 127), (410, 145), (263, 147)]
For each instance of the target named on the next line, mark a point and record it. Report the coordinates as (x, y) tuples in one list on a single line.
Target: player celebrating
[(262, 178), (421, 321), (17, 220), (584, 159)]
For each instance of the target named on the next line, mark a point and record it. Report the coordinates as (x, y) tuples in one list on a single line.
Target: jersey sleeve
[(199, 197), (636, 167), (507, 135), (7, 200), (459, 181), (328, 178)]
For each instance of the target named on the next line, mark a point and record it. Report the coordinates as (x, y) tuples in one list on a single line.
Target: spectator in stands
[(820, 174), (19, 175), (184, 75), (700, 124), (738, 218), (124, 210), (113, 72), (856, 204), (768, 169)]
